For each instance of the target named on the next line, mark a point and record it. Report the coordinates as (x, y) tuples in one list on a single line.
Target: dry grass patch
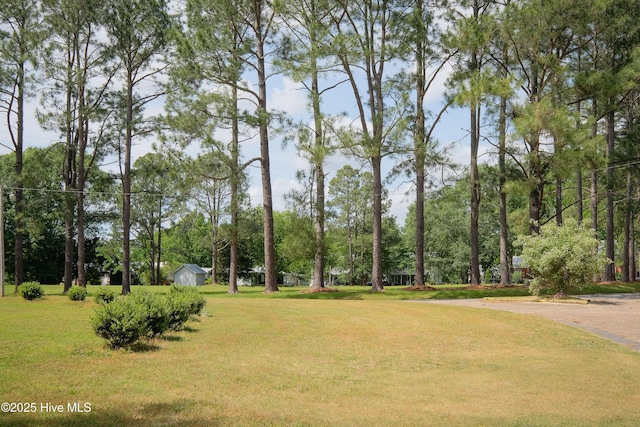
[(305, 362)]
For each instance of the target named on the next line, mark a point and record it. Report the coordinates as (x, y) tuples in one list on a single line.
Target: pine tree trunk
[(319, 220), (19, 198), (235, 188), (271, 278), (376, 274), (420, 153), (505, 270), (474, 272), (558, 201), (81, 179), (610, 273), (126, 193), (627, 274)]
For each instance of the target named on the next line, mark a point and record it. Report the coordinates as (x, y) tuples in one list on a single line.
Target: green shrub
[(561, 257), (122, 322), (31, 290), (104, 295), (192, 295), (156, 309), (77, 293), (179, 310), (516, 277)]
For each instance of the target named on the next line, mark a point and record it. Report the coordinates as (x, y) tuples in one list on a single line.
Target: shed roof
[(196, 269)]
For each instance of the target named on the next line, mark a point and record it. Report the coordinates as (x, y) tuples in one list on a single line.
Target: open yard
[(358, 359)]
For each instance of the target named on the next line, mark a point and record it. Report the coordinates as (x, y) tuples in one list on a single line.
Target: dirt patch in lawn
[(613, 316)]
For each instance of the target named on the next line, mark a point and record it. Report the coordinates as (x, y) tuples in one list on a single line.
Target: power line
[(85, 192)]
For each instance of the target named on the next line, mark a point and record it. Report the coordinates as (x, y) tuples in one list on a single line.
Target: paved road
[(613, 316)]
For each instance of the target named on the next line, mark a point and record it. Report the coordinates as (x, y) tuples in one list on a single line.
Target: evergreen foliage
[(561, 257), (144, 314), (31, 291), (77, 293), (156, 311), (104, 296), (565, 132), (122, 322)]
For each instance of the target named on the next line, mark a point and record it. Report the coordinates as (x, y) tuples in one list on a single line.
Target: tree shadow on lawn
[(171, 338), (327, 293), (160, 413), (143, 347)]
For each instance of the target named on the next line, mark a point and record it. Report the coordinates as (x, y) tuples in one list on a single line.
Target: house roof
[(193, 268)]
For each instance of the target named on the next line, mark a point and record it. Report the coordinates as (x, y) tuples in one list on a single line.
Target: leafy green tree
[(294, 243), (137, 30), (156, 188), (611, 76), (305, 57), (424, 46), (251, 247), (259, 19), (561, 257), (351, 219), (44, 223), (186, 241), (481, 74), (544, 40), (628, 149), (447, 242), (447, 234), (225, 46), (212, 192), (367, 43), (396, 255), (206, 85), (21, 36), (73, 106)]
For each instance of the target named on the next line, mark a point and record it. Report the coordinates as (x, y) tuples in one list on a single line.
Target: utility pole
[(2, 240)]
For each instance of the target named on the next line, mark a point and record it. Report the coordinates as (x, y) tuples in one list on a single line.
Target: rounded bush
[(77, 293), (156, 311), (31, 290), (192, 295), (122, 322), (104, 295), (562, 257), (179, 310)]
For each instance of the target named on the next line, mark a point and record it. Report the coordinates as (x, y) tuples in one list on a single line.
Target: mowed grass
[(256, 361), (445, 291)]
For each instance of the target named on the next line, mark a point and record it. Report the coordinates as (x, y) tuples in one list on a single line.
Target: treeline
[(552, 86)]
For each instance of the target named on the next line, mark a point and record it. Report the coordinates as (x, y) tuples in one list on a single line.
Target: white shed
[(189, 275)]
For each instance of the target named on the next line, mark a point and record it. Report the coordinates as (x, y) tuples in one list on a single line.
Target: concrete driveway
[(613, 316)]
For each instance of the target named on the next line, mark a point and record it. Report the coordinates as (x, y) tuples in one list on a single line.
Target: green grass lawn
[(352, 360), (447, 291)]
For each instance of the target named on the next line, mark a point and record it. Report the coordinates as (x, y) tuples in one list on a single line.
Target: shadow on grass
[(143, 347), (603, 302), (340, 295), (160, 413), (171, 338)]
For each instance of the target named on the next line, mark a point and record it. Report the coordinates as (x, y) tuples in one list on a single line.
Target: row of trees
[(553, 86)]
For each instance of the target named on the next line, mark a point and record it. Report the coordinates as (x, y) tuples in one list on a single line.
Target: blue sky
[(286, 95)]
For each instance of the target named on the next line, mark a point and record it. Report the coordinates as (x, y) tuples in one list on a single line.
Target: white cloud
[(290, 98), (401, 197), (279, 187)]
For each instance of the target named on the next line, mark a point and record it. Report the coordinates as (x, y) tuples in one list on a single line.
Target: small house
[(254, 277), (400, 278), (189, 275), (520, 267)]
